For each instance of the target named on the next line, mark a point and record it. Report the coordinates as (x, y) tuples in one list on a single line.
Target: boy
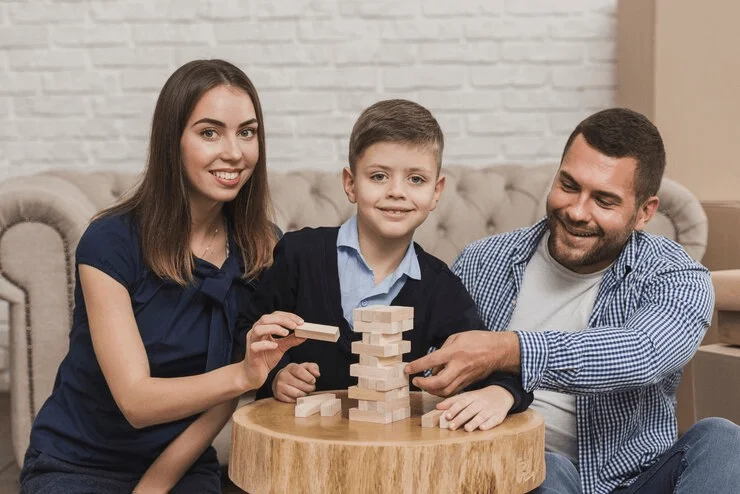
[(321, 274)]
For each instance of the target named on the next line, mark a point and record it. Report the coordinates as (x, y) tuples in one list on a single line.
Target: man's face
[(592, 208)]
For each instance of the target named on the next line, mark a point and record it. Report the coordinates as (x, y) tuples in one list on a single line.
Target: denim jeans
[(705, 459)]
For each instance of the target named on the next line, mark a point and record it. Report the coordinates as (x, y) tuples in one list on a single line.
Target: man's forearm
[(181, 454)]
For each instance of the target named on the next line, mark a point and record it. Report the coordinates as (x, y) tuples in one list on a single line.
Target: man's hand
[(480, 409), (295, 381), (263, 350), (466, 358)]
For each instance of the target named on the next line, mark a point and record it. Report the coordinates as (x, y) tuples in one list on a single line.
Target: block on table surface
[(431, 419), (315, 398), (319, 332), (331, 407), (382, 313), (443, 422), (382, 373), (389, 350), (380, 338), (366, 416), (310, 405)]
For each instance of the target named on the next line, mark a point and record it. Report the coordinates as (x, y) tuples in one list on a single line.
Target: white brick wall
[(508, 79)]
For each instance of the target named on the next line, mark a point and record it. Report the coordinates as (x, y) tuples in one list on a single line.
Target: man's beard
[(604, 251)]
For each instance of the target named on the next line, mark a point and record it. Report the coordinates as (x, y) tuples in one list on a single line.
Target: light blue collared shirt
[(356, 279)]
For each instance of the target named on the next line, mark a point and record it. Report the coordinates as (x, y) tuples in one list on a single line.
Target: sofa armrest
[(41, 221)]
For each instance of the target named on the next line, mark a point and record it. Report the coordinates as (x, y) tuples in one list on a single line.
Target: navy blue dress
[(186, 331)]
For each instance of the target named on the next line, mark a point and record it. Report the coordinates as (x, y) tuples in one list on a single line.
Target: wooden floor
[(8, 469)]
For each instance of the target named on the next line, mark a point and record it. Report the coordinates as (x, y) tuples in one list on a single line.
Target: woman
[(148, 381)]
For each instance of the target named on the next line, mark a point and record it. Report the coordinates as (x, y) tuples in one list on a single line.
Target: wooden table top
[(273, 451)]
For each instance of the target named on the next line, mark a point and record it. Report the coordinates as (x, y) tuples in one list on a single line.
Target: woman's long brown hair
[(159, 204)]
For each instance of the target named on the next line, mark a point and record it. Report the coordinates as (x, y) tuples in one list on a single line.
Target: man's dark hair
[(619, 133), (395, 120)]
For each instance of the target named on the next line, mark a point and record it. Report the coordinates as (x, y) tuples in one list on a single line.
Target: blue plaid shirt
[(652, 309)]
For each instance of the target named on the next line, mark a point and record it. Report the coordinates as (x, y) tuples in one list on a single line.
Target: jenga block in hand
[(443, 422), (317, 332), (431, 419), (330, 408)]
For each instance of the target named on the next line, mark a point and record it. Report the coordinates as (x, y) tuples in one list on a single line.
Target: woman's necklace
[(213, 235)]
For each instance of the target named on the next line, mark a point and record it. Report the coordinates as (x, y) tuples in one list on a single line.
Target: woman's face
[(219, 146)]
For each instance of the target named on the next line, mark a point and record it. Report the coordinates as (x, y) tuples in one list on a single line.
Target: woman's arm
[(179, 456), (147, 401)]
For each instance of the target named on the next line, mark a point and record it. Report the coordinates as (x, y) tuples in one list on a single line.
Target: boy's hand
[(263, 350), (295, 381), (481, 409)]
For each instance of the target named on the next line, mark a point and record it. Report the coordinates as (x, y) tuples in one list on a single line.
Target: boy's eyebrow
[(600, 193), (219, 123)]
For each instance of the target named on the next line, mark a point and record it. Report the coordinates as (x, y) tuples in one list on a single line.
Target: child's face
[(395, 186)]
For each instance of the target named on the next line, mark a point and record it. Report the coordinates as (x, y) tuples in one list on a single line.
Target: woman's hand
[(295, 381), (481, 409), (263, 350)]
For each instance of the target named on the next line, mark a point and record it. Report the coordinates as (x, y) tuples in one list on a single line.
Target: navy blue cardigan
[(304, 280)]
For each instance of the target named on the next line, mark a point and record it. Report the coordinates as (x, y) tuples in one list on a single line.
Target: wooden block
[(401, 414), (391, 406), (382, 313), (382, 327), (310, 405), (389, 350), (317, 332), (372, 361), (330, 408), (385, 372), (314, 398), (381, 339), (366, 416), (431, 419), (389, 384), (361, 393), (443, 422)]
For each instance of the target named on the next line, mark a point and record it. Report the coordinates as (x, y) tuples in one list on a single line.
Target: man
[(603, 317)]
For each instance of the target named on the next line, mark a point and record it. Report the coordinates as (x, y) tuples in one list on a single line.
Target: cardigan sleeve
[(457, 313), (276, 291)]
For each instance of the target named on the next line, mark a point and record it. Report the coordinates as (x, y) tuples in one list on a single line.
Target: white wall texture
[(507, 79)]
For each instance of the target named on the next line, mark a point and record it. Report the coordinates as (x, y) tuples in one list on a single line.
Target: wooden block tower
[(383, 388)]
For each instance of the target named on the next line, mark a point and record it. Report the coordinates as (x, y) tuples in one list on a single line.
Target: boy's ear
[(348, 181), (438, 188)]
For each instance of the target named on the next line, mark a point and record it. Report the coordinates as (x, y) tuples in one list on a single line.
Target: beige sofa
[(42, 218)]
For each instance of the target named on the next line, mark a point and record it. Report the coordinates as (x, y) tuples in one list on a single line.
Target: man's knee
[(715, 432), (715, 426), (561, 476)]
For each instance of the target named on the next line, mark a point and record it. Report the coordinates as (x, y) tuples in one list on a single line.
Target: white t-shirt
[(553, 297)]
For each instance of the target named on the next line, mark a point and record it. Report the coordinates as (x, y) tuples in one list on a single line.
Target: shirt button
[(363, 303)]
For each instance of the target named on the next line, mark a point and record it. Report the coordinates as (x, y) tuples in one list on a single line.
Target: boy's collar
[(348, 237)]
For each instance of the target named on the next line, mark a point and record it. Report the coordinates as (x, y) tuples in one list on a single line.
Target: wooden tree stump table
[(274, 452)]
